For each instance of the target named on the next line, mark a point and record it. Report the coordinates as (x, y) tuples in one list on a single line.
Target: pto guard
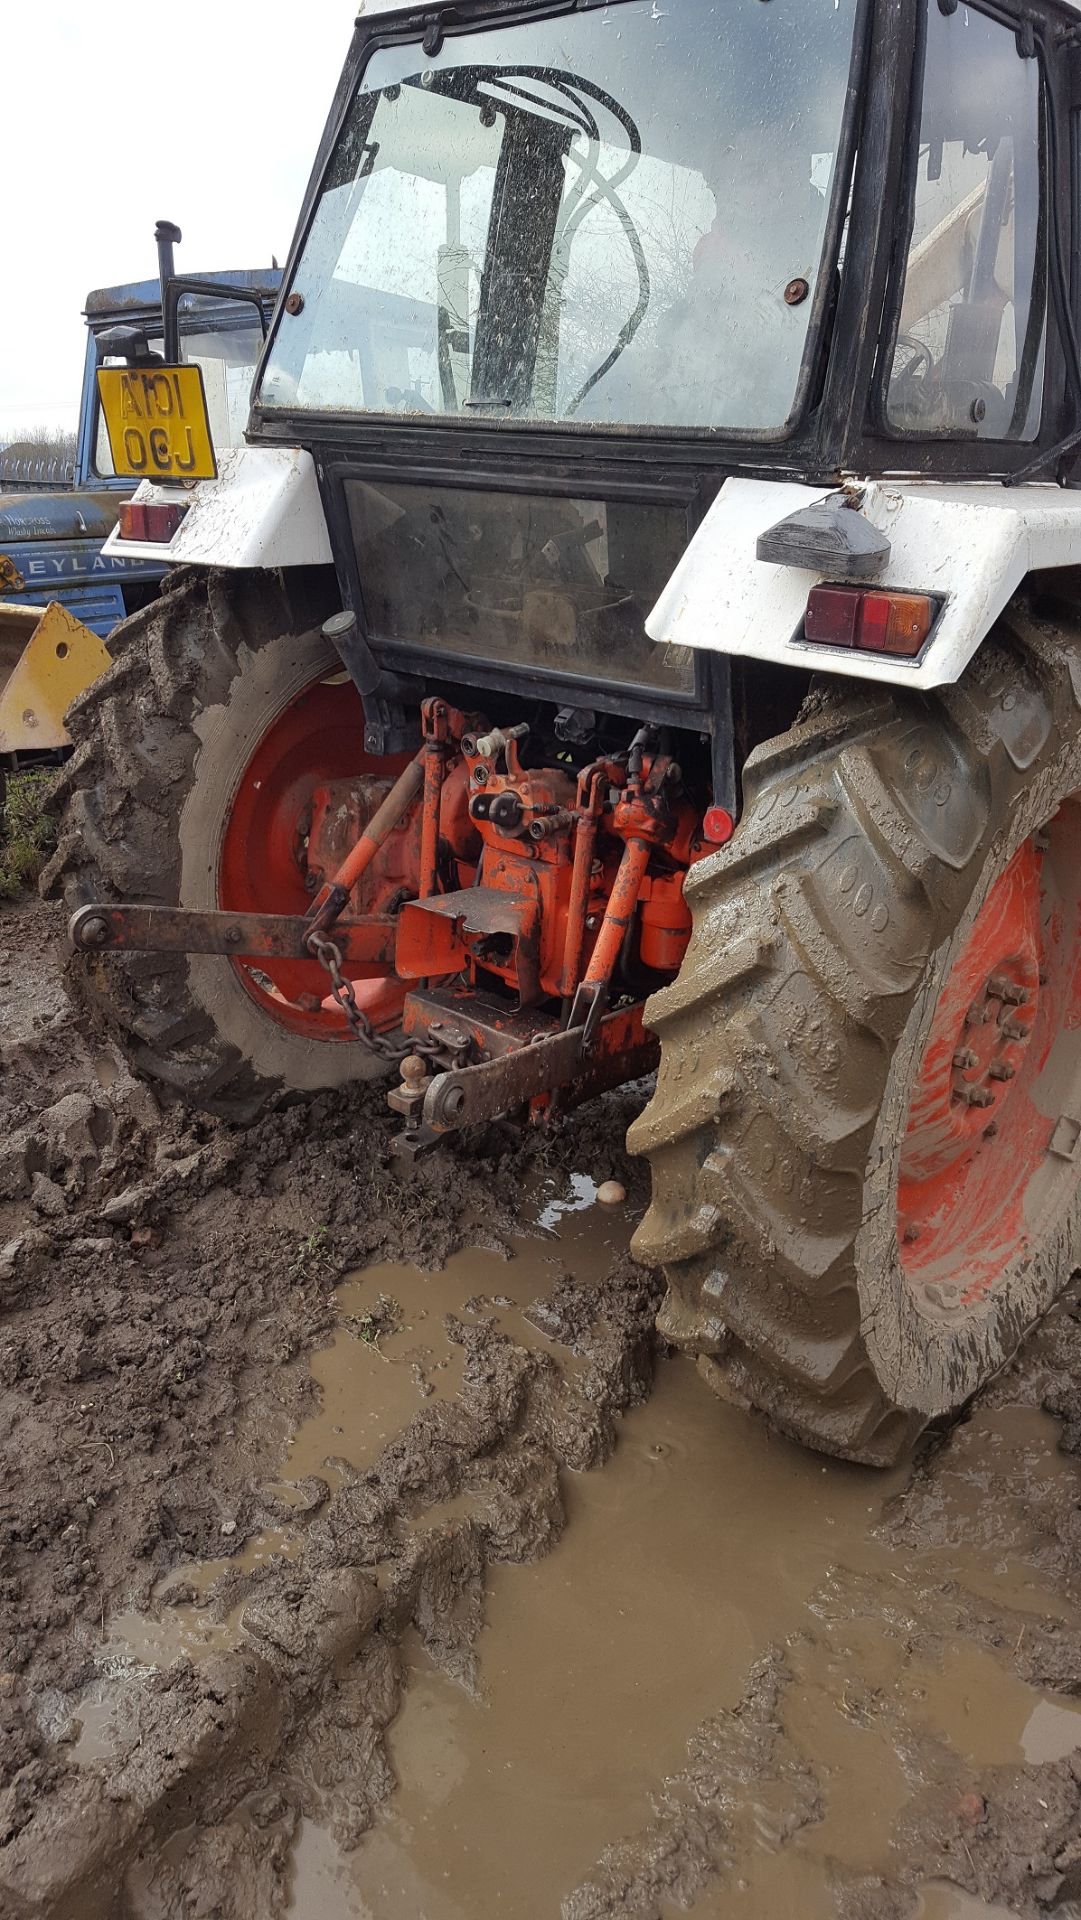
[(47, 657), (970, 544), (263, 510)]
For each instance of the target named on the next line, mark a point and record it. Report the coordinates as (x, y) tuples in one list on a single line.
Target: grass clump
[(27, 830)]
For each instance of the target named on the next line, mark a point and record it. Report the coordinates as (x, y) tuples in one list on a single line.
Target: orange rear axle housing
[(532, 877)]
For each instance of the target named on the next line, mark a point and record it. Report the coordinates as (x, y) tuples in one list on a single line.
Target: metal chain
[(389, 1046)]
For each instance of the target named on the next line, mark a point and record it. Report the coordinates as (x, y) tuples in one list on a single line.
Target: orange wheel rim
[(979, 1125), (262, 865)]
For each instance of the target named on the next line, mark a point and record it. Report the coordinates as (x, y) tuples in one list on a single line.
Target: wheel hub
[(975, 1136), (307, 777)]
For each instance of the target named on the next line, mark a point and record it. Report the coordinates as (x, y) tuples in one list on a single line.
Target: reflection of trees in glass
[(679, 144), (596, 279)]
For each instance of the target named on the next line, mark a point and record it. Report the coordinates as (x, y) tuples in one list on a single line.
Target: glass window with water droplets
[(968, 352), (611, 218)]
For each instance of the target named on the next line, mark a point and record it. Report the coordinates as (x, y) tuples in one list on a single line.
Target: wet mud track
[(363, 1555)]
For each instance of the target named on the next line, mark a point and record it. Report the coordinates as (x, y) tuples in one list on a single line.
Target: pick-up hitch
[(529, 1057), (543, 1070)]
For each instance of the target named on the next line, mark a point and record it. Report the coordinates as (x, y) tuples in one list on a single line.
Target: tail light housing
[(872, 619), (150, 519)]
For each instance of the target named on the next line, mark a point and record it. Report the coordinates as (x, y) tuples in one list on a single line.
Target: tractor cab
[(579, 292)]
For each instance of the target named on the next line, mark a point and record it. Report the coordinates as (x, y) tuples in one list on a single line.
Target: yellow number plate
[(157, 422)]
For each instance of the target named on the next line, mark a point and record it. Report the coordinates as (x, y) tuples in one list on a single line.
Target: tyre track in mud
[(161, 1288), (161, 1282)]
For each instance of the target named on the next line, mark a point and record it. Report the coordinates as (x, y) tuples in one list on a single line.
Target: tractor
[(642, 630), (59, 593)]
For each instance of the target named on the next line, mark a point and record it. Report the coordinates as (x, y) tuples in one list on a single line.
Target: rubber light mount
[(829, 537)]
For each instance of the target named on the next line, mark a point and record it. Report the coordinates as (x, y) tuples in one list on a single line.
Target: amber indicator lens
[(871, 619)]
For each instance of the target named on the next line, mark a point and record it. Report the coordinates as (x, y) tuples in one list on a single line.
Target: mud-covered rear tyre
[(824, 935), (160, 740)]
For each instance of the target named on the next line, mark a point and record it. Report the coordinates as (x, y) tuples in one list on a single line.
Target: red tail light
[(150, 520), (718, 826), (874, 619)]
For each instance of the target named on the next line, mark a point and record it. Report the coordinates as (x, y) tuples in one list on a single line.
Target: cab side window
[(967, 353)]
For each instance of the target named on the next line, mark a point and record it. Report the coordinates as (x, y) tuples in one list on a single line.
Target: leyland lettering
[(157, 422)]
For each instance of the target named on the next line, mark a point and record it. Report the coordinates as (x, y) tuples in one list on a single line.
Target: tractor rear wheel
[(866, 1133), (196, 756)]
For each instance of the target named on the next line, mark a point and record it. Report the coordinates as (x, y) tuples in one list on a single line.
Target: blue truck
[(55, 517)]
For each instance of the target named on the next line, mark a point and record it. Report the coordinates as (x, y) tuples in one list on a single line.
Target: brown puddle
[(702, 1545), (393, 1353), (943, 1902), (703, 1542), (697, 1546), (389, 1357)]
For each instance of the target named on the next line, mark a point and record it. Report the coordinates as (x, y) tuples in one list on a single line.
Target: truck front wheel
[(866, 1133)]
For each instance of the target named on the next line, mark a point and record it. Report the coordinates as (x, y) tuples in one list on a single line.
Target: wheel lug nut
[(1005, 989), (1015, 1030), (911, 1232), (1001, 1070), (977, 1096), (964, 1057), (990, 1130), (1000, 988)]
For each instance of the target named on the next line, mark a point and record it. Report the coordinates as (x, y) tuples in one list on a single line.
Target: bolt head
[(94, 933)]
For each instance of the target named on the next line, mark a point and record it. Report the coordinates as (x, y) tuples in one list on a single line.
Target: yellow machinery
[(46, 658)]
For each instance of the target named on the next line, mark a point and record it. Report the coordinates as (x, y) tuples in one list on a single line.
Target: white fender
[(971, 542), (263, 510)]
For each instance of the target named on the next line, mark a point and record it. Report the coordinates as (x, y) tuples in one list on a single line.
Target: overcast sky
[(206, 112)]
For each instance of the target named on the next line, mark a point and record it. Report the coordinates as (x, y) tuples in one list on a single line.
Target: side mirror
[(130, 344)]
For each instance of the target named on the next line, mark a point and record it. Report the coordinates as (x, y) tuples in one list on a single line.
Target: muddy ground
[(362, 1555)]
